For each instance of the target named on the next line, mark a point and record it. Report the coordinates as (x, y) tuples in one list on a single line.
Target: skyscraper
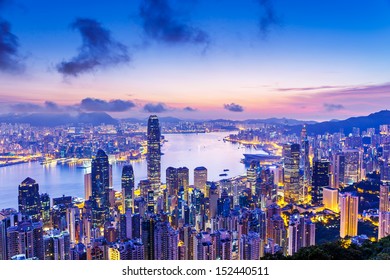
[(293, 191), (200, 178), (172, 181), (183, 180), (320, 180), (305, 161), (29, 199), (352, 168), (100, 187), (127, 187), (26, 238), (251, 175), (348, 214), (384, 212), (331, 199), (87, 185), (57, 245), (165, 242), (154, 153)]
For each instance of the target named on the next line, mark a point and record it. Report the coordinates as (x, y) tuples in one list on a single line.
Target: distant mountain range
[(292, 125), (373, 120), (50, 120)]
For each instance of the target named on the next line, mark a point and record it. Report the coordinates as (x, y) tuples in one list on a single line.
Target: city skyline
[(253, 59), (299, 193)]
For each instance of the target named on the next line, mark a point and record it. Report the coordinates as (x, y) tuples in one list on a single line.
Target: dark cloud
[(333, 107), (161, 23), (99, 105), (98, 49), (155, 107), (10, 59), (27, 107), (269, 18), (233, 107), (190, 109)]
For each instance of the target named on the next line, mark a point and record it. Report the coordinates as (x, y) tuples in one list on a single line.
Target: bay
[(190, 150)]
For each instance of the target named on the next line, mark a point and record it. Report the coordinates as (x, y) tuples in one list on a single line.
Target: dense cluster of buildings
[(272, 209)]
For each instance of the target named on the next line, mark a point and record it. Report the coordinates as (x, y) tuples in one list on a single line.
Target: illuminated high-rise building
[(200, 178), (100, 187), (331, 199), (148, 227), (251, 246), (45, 208), (348, 214), (127, 187), (183, 180), (87, 186), (57, 245), (293, 191), (301, 233), (320, 180), (384, 204), (338, 169), (26, 238), (165, 241), (384, 212), (352, 168), (251, 175), (172, 181), (154, 153), (29, 199), (305, 161)]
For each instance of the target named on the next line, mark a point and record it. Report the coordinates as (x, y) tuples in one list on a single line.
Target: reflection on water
[(191, 150)]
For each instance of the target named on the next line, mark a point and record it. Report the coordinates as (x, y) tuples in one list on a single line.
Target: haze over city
[(195, 59)]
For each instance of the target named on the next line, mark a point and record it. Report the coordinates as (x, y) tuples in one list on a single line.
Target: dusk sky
[(196, 59)]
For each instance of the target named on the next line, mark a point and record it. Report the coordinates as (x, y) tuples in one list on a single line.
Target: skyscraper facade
[(100, 187), (384, 212), (200, 178), (293, 190), (29, 199), (348, 214), (127, 187), (320, 180), (154, 153)]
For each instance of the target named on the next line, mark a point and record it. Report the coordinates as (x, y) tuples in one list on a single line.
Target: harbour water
[(190, 150)]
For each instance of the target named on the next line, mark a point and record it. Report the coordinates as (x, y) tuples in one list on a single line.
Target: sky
[(196, 59)]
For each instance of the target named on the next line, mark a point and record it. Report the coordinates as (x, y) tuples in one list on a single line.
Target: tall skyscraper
[(305, 161), (352, 168), (251, 175), (127, 187), (87, 185), (183, 180), (348, 214), (172, 181), (200, 178), (320, 180), (384, 212), (293, 191), (338, 169), (100, 187), (29, 199), (45, 208), (154, 153)]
